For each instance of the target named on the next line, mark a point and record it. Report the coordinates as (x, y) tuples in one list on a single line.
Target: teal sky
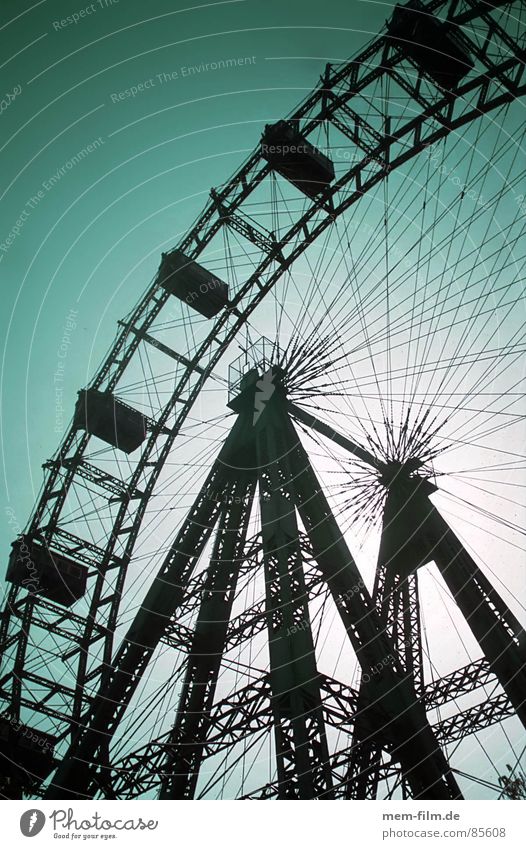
[(91, 242)]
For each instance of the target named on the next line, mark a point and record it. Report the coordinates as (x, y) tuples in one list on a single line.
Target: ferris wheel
[(279, 552)]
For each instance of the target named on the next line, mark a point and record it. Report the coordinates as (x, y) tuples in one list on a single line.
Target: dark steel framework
[(387, 714), (389, 711)]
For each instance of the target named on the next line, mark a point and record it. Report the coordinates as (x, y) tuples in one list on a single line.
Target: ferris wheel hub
[(256, 387), (399, 470)]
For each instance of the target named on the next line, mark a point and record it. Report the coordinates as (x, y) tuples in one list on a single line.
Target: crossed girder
[(247, 712)]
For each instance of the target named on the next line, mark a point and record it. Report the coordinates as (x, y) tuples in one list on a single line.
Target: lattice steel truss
[(293, 701)]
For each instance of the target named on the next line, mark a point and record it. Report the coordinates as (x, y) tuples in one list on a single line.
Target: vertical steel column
[(414, 661), (185, 754), (366, 758), (395, 596), (403, 550), (397, 600), (301, 745)]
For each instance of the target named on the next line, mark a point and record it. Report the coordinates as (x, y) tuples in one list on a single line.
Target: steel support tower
[(264, 467)]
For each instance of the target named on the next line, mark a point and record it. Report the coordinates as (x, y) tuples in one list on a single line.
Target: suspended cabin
[(34, 567), (26, 754), (113, 421), (291, 155), (193, 284), (431, 44)]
